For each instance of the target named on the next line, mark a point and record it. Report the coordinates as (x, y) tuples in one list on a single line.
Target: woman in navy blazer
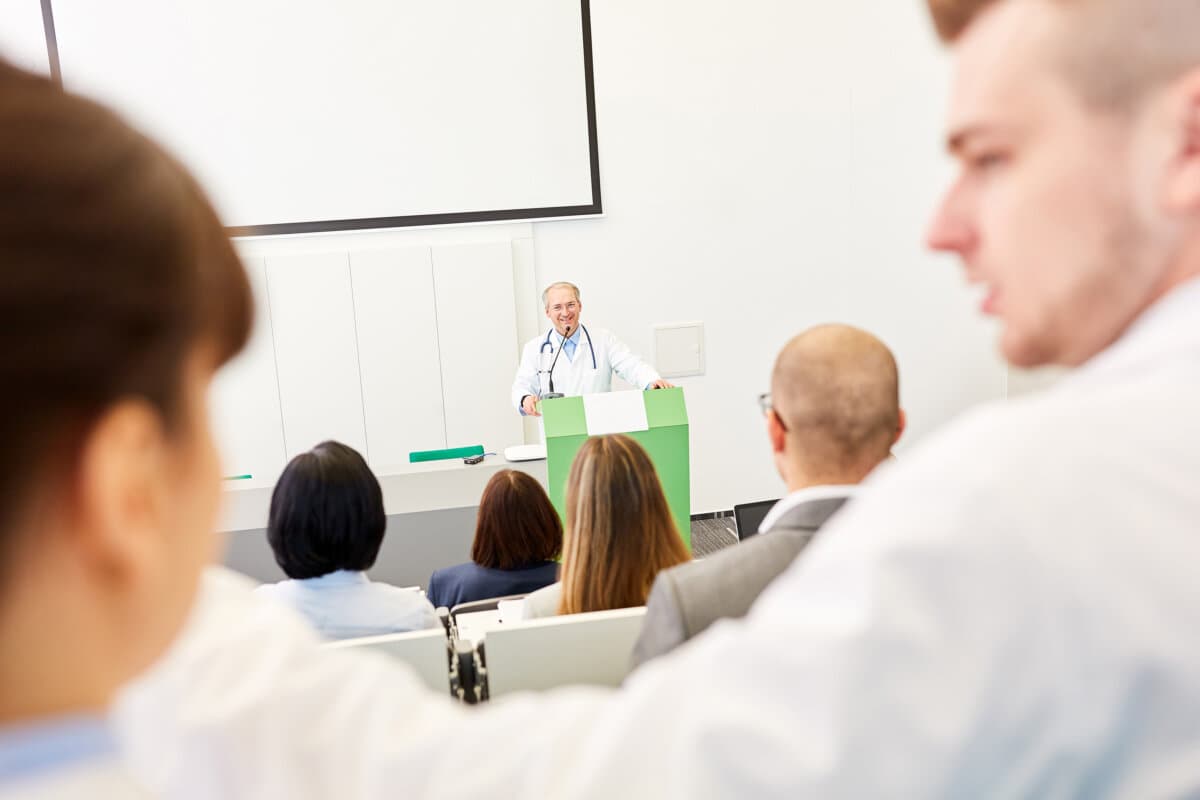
[(518, 536)]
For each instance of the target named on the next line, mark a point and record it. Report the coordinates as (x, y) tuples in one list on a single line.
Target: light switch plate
[(679, 349)]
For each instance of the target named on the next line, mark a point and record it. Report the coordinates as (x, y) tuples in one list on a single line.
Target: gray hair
[(560, 285)]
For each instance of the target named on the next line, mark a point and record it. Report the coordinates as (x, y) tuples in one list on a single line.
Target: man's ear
[(1183, 174), (119, 506), (776, 432), (901, 424)]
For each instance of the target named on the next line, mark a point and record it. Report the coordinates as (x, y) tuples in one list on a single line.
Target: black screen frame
[(595, 207)]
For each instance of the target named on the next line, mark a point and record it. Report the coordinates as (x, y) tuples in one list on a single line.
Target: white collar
[(823, 492), (554, 336), (342, 577)]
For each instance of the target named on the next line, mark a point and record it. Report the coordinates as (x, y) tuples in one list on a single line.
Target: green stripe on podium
[(564, 416)]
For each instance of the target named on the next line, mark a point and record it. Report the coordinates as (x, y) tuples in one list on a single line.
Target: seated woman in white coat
[(569, 359), (326, 526), (120, 296)]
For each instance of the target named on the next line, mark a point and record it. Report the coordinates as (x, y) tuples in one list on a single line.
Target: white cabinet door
[(244, 400), (477, 330), (316, 352), (398, 352)]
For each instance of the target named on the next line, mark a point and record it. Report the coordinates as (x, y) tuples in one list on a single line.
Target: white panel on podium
[(477, 329), (312, 312), (398, 352), (244, 400), (615, 412)]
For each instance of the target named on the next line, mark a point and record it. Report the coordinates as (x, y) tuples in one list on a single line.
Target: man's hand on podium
[(529, 406), (661, 384)]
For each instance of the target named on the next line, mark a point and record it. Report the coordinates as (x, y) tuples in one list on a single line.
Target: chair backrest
[(748, 516), (592, 648), (427, 652), (490, 604), (474, 626)]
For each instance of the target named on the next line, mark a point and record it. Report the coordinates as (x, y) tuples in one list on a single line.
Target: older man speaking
[(571, 360)]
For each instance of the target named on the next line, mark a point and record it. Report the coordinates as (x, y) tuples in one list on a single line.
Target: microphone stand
[(553, 395)]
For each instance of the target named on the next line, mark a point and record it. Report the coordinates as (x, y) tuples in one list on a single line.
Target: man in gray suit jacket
[(832, 416)]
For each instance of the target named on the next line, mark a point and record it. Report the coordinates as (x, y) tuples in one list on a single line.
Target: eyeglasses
[(764, 402), (768, 408)]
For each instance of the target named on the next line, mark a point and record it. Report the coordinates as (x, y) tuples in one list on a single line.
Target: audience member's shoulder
[(405, 593), (730, 566), (986, 449), (455, 571), (542, 603), (261, 590), (1037, 441)]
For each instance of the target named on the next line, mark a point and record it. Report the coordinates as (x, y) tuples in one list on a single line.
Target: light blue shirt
[(33, 749), (569, 345), (347, 604)]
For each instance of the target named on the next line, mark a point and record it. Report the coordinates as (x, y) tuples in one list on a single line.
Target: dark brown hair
[(113, 269), (517, 526), (620, 531)]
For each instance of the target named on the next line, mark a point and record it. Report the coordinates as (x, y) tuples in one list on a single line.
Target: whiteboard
[(310, 115)]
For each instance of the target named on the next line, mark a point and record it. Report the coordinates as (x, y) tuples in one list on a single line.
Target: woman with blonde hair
[(619, 532)]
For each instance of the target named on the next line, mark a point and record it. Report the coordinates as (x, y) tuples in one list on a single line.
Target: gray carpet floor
[(711, 535)]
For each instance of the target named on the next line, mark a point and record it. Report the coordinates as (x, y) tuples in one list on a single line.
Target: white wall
[(767, 166)]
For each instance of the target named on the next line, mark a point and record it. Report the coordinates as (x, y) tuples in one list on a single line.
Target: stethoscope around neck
[(548, 343)]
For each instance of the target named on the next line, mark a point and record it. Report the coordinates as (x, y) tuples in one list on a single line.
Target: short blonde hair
[(559, 285), (1115, 51)]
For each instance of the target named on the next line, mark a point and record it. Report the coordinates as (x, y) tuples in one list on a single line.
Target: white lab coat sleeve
[(248, 705), (526, 380), (892, 660), (627, 364)]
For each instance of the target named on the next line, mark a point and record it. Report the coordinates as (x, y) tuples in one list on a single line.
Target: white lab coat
[(96, 779), (578, 375), (1010, 611)]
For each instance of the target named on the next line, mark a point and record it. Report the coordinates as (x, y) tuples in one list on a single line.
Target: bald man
[(832, 416)]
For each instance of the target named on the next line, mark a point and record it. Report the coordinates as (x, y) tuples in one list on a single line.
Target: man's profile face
[(1042, 213)]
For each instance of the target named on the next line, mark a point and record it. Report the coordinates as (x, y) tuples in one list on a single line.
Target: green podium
[(656, 419)]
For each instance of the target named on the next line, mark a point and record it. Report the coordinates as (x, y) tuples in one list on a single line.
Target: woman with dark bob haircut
[(517, 537), (326, 526)]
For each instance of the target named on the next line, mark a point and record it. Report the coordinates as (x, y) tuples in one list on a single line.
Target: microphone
[(551, 395)]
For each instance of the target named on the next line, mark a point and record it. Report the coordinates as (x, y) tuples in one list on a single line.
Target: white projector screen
[(320, 115)]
